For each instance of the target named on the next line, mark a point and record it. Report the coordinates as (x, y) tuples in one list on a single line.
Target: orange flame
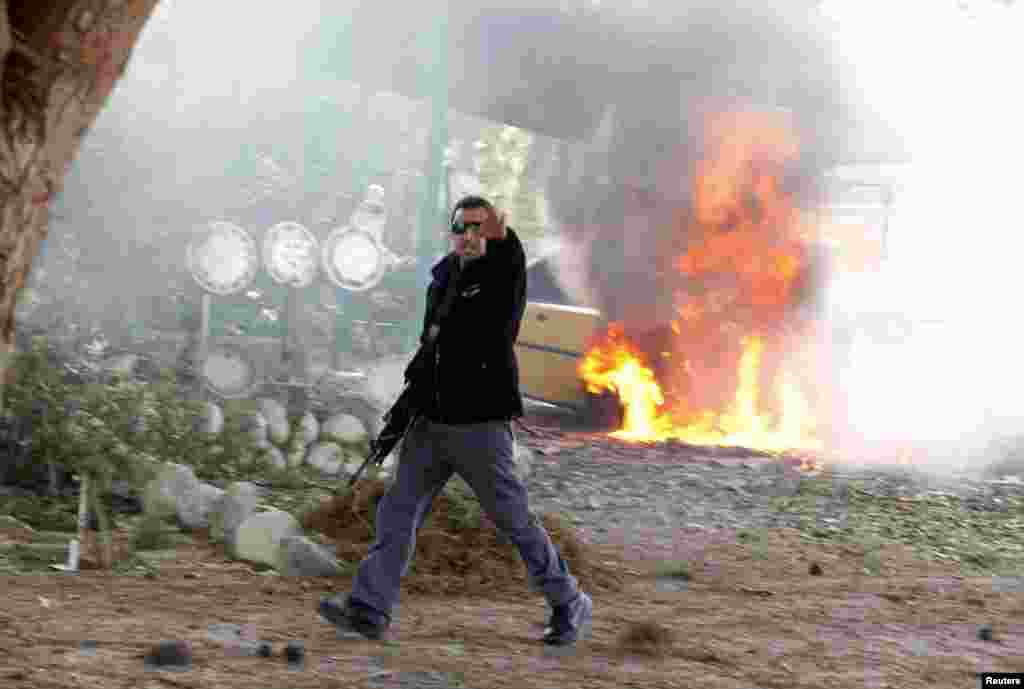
[(744, 265), (618, 366)]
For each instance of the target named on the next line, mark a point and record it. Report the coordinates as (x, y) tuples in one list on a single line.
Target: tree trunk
[(59, 61)]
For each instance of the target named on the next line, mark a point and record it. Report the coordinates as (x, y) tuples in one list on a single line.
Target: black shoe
[(570, 622), (353, 617)]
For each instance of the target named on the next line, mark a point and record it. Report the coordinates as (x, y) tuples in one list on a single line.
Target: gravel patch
[(612, 495)]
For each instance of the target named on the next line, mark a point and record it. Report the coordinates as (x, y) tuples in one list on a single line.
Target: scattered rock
[(170, 654), (240, 500), (345, 428), (255, 426), (302, 557), (210, 419), (295, 652), (173, 484), (223, 632), (309, 428), (194, 509), (815, 570), (326, 458), (1008, 584), (258, 538), (277, 420)]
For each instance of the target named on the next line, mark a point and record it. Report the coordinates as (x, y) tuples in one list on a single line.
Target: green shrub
[(150, 533), (103, 429), (463, 508)]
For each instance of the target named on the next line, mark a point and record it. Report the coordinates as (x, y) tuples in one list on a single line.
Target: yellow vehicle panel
[(552, 341)]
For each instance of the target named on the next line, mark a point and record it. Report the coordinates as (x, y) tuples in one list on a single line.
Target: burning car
[(703, 318)]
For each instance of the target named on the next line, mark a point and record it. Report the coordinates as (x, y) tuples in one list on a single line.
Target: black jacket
[(474, 375)]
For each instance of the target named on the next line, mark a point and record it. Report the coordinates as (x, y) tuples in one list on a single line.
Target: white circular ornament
[(290, 253), (354, 259), (228, 372), (224, 260)]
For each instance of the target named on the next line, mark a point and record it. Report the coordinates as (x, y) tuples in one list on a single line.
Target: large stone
[(194, 509), (386, 377), (326, 458), (240, 501), (302, 557), (344, 428), (259, 537), (275, 457), (352, 462), (173, 484), (210, 419), (309, 429), (255, 426), (121, 364), (277, 420)]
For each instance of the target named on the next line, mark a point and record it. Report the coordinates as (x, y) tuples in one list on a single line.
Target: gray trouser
[(483, 455)]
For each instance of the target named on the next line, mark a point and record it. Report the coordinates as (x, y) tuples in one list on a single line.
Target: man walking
[(474, 308)]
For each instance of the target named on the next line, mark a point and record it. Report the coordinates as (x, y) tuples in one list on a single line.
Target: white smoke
[(951, 387)]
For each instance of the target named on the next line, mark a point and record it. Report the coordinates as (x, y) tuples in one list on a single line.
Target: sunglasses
[(461, 228)]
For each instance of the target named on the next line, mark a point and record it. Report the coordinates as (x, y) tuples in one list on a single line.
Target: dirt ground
[(749, 615)]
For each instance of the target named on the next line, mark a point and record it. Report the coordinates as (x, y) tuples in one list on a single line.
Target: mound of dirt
[(646, 638), (454, 555)]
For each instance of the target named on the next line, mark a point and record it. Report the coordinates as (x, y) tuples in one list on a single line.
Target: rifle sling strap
[(451, 289)]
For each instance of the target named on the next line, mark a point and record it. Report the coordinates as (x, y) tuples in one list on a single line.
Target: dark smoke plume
[(624, 196)]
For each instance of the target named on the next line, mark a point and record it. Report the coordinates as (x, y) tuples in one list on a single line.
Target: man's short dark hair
[(469, 202)]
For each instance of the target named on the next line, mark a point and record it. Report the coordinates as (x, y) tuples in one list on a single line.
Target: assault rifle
[(397, 422)]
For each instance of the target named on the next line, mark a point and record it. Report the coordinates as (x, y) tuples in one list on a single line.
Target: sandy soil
[(746, 618)]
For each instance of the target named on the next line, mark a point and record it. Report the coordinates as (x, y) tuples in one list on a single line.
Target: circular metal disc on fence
[(224, 260), (228, 372), (291, 254), (354, 259)]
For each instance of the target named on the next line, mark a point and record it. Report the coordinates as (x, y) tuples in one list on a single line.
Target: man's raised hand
[(494, 225)]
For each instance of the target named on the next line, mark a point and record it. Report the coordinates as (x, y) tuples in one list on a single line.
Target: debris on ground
[(646, 638), (176, 654), (454, 555), (294, 652)]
